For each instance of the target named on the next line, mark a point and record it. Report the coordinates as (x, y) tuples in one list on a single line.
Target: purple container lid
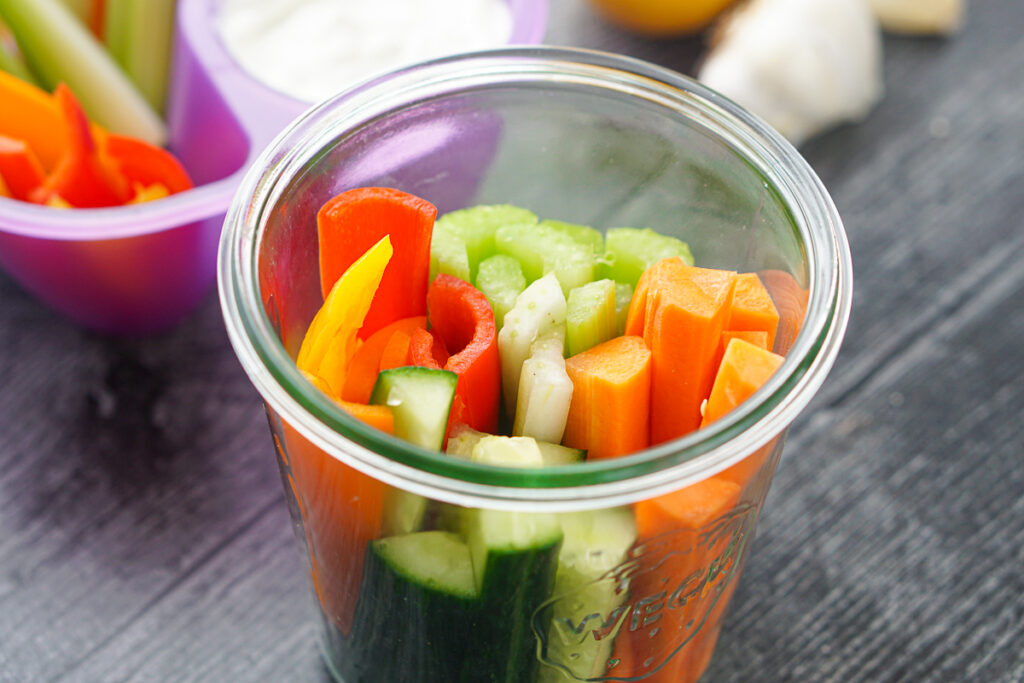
[(141, 268)]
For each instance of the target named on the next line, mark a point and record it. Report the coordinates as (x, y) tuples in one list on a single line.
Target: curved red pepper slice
[(464, 320), (145, 164)]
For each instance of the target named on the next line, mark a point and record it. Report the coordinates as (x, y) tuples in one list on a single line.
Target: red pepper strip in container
[(355, 220), (20, 169), (463, 319), (426, 349), (145, 164), (84, 177)]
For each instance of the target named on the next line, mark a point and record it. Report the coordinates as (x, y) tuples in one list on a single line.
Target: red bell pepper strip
[(146, 164), (426, 349), (20, 170), (84, 177), (464, 320), (353, 221)]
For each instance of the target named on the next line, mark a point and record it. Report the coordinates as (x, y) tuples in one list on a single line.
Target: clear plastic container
[(140, 269), (580, 136)]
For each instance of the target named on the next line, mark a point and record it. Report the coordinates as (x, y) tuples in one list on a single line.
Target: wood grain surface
[(144, 536)]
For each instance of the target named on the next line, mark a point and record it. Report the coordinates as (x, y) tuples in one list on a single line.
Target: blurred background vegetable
[(58, 48), (138, 36), (661, 17)]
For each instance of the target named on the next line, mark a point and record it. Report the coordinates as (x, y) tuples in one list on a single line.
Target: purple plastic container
[(139, 269)]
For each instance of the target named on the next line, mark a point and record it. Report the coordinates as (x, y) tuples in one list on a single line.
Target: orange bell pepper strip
[(361, 374), (84, 177), (330, 340), (464, 320), (351, 222), (20, 170)]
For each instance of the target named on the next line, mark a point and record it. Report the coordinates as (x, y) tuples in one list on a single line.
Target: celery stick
[(545, 390), (623, 296), (59, 48), (507, 451), (630, 251), (138, 35), (475, 226), (12, 63), (81, 9), (540, 307), (501, 280), (590, 316), (448, 255), (542, 249), (582, 234)]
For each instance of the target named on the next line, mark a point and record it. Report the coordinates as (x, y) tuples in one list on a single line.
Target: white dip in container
[(312, 49)]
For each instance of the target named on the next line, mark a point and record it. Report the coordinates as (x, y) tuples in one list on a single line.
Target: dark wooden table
[(144, 536)]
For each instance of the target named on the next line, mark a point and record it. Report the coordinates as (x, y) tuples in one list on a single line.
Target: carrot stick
[(745, 367), (20, 170), (341, 511), (757, 338), (791, 302), (361, 373), (752, 308), (676, 582), (683, 320), (609, 414)]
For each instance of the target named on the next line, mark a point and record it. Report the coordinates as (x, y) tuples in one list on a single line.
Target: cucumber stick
[(586, 591), (416, 612), (540, 307), (59, 48), (515, 559), (461, 443), (420, 399), (138, 35), (545, 390), (590, 316)]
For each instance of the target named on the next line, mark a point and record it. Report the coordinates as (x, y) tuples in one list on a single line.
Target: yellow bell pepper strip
[(330, 340)]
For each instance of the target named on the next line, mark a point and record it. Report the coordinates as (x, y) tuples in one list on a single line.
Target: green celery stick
[(580, 233), (81, 9), (11, 62), (58, 48), (541, 249), (630, 251), (623, 297), (138, 35), (475, 226), (448, 255), (590, 316), (501, 280)]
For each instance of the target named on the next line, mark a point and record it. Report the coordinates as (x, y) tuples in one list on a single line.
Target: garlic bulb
[(802, 65), (919, 16)]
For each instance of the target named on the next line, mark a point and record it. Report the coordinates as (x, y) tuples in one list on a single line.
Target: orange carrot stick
[(757, 338), (745, 367), (361, 373), (676, 587), (752, 308), (791, 302), (609, 414), (684, 316)]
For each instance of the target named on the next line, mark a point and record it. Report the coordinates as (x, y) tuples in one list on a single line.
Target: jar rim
[(657, 469)]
